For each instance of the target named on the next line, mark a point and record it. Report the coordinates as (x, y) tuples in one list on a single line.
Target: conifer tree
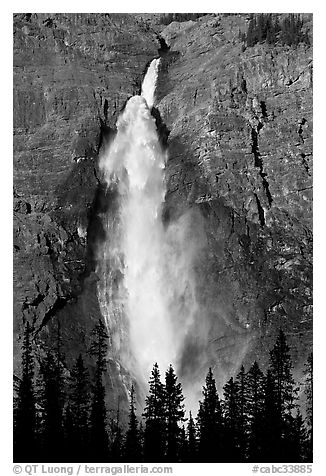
[(77, 415), (294, 439), (183, 445), (271, 439), (255, 408), (231, 414), (142, 438), (285, 397), (174, 414), (210, 423), (52, 402), (25, 414), (132, 450), (192, 446), (241, 382), (98, 417), (98, 347), (69, 453), (308, 390), (266, 27), (155, 417), (116, 446), (281, 371)]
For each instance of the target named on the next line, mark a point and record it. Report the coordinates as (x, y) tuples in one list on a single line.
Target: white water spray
[(149, 83), (147, 291)]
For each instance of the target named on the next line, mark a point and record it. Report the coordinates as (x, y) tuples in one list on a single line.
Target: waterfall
[(146, 290), (149, 83)]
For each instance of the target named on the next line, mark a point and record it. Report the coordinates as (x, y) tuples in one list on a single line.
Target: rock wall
[(240, 148)]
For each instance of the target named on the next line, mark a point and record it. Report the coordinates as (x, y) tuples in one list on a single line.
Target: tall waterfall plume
[(147, 290)]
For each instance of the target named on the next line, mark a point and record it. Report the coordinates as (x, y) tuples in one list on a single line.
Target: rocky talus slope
[(238, 124)]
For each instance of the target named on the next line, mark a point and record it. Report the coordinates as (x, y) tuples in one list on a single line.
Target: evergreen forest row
[(60, 414)]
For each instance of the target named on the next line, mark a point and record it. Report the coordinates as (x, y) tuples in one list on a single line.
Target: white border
[(319, 199)]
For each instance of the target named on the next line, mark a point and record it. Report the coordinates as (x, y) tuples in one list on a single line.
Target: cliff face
[(240, 147), (239, 125)]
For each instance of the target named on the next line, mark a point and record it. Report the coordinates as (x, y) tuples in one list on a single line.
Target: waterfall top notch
[(149, 83)]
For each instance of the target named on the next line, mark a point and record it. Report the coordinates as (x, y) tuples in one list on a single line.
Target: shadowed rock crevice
[(107, 134), (263, 109), (259, 162), (164, 48), (162, 129), (302, 122), (106, 201), (58, 305), (35, 302), (305, 162), (261, 212)]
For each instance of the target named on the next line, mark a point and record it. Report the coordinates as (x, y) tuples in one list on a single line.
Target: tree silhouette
[(192, 448), (231, 414), (182, 445), (174, 414), (142, 438), (241, 382), (308, 390), (255, 408), (281, 371), (77, 414), (25, 412), (98, 417), (52, 401), (133, 450), (210, 422), (154, 414), (98, 347), (271, 438), (295, 439), (258, 419), (116, 443)]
